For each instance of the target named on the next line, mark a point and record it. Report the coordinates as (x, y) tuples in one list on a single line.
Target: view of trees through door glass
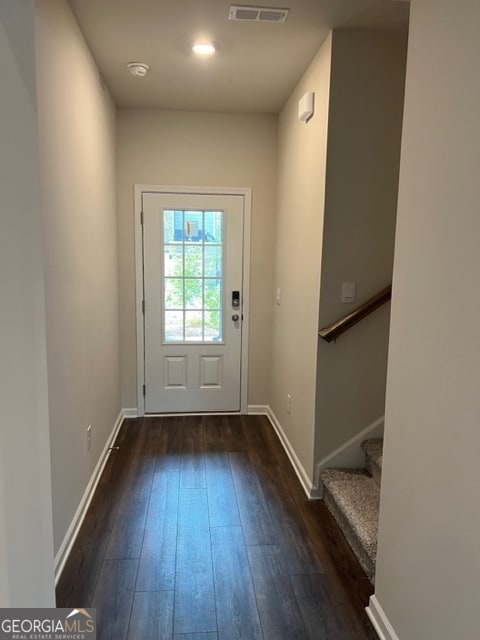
[(193, 276)]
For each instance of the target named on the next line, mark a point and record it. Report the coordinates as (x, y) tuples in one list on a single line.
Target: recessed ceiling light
[(138, 69), (204, 48)]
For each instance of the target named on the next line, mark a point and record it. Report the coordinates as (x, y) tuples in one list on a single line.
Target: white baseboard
[(302, 475), (72, 531), (379, 620), (349, 455), (258, 409), (189, 414), (130, 413)]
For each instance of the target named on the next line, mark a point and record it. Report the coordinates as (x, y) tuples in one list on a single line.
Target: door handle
[(235, 317)]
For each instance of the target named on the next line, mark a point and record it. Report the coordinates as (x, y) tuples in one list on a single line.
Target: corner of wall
[(299, 229), (364, 137)]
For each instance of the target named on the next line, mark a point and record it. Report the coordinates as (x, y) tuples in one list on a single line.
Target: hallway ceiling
[(255, 68)]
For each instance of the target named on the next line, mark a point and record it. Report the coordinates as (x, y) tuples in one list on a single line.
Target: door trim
[(139, 190)]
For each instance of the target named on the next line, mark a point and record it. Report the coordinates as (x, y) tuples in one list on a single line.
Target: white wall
[(301, 195), (428, 554), (200, 149), (26, 538), (363, 159), (77, 157)]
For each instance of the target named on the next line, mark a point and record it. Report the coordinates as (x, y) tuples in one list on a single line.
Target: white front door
[(193, 269)]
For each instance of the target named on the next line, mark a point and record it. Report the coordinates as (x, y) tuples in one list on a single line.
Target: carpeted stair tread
[(373, 450), (353, 498)]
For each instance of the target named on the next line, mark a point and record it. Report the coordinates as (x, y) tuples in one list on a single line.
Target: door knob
[(235, 317)]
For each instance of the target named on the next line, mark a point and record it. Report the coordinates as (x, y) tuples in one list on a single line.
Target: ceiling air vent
[(257, 14)]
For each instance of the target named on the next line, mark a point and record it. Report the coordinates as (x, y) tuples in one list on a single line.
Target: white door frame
[(140, 189)]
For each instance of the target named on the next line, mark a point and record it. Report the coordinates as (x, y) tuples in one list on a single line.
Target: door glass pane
[(213, 261), (193, 326), (193, 261), (174, 293), (173, 261), (213, 293), (214, 226), (193, 293), (212, 325), (193, 226), (174, 326), (172, 220), (193, 275)]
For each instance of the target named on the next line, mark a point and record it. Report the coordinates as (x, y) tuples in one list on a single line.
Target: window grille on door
[(193, 276)]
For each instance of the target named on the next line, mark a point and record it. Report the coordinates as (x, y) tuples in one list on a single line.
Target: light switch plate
[(349, 292)]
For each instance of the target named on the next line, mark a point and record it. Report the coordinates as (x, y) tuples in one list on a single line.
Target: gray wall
[(77, 158), (428, 554), (200, 149), (26, 537), (363, 159)]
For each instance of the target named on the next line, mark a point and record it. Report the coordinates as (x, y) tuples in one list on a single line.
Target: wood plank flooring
[(200, 530)]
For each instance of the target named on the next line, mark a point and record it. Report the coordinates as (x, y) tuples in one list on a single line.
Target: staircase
[(353, 497)]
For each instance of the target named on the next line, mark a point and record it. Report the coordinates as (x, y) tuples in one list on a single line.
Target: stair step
[(353, 498), (373, 450)]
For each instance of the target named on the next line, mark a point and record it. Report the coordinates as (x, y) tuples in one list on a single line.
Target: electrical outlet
[(89, 437), (289, 403)]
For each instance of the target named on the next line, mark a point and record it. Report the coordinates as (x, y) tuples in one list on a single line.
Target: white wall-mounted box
[(306, 106)]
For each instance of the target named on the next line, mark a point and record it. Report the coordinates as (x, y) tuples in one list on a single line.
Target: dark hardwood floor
[(200, 530)]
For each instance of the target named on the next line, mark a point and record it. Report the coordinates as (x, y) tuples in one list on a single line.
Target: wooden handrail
[(340, 326)]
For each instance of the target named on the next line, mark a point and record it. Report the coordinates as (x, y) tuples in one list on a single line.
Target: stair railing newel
[(353, 498)]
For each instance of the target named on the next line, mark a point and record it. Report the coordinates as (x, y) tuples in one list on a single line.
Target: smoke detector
[(138, 69), (257, 14)]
